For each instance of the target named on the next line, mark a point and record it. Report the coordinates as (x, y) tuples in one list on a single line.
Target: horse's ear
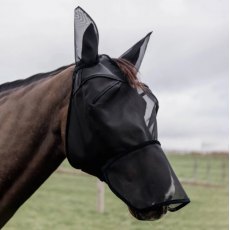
[(136, 53), (85, 37)]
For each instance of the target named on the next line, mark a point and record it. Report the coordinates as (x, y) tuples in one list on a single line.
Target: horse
[(35, 114)]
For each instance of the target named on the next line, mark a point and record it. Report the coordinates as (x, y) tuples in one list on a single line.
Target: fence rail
[(203, 169)]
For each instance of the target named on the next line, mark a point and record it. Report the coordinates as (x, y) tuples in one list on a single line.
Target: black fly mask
[(112, 127)]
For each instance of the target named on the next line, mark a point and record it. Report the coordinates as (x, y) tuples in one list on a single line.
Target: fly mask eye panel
[(151, 110), (112, 127)]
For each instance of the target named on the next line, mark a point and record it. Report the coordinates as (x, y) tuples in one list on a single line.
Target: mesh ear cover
[(86, 38), (136, 53)]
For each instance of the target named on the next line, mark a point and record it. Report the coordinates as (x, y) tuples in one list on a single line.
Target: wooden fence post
[(195, 167), (208, 169), (100, 196), (223, 174)]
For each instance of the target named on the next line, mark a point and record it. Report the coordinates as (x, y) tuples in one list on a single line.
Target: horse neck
[(32, 131)]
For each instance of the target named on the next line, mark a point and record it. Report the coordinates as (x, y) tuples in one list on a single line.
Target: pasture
[(68, 201)]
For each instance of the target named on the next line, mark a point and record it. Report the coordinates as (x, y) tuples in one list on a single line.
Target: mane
[(24, 82), (126, 67), (130, 72)]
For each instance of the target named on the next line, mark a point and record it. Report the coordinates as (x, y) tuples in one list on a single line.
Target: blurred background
[(186, 66)]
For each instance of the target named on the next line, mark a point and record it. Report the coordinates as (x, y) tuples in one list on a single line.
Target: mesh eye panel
[(150, 111)]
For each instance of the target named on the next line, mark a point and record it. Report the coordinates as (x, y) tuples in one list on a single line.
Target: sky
[(186, 62)]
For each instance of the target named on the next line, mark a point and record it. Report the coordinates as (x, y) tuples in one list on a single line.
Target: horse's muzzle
[(145, 181), (153, 214)]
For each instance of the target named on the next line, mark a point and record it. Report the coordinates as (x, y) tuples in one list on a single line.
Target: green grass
[(67, 202)]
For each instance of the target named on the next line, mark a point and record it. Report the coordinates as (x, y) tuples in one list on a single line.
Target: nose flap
[(144, 179)]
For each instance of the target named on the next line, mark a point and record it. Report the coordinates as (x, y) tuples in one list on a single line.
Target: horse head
[(112, 126)]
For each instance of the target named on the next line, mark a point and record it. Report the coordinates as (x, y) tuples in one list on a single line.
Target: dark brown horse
[(38, 115)]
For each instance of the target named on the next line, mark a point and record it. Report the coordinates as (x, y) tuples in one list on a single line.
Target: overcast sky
[(186, 63)]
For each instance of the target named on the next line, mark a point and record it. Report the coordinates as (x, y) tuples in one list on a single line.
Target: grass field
[(68, 202)]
